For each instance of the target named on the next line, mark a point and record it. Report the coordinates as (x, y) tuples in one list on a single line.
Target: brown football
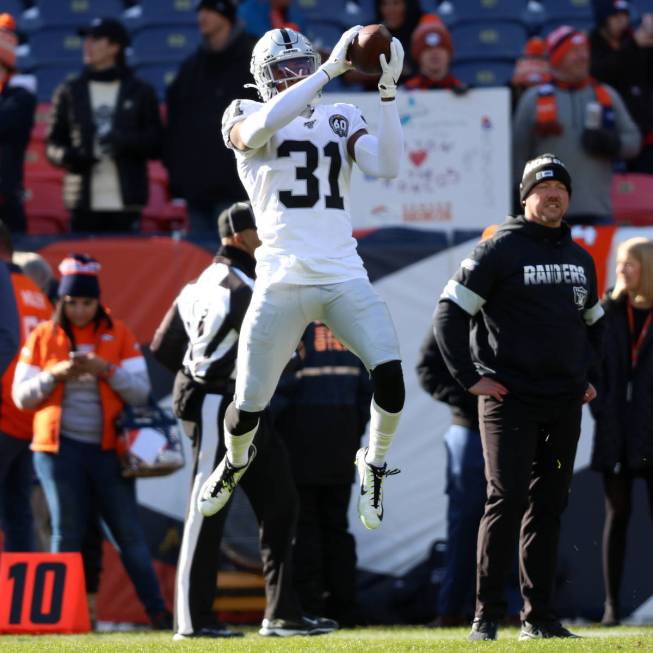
[(366, 47)]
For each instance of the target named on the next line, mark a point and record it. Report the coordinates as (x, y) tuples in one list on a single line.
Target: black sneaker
[(213, 632), (305, 626), (161, 620), (544, 630), (483, 629), (218, 487)]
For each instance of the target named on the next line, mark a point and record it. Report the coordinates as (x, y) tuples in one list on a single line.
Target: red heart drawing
[(418, 157)]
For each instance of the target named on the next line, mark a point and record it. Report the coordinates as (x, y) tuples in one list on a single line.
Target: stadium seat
[(164, 43), (159, 75), (464, 11), (44, 206), (36, 163), (492, 40), (162, 12), (345, 12), (484, 72), (49, 77), (324, 34), (581, 24), (557, 9), (13, 7), (69, 12), (161, 213), (55, 45), (632, 198), (40, 121)]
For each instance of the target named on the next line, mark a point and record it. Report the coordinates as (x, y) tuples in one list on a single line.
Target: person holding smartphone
[(77, 371)]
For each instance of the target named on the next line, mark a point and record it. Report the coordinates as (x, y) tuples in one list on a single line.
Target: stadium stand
[(474, 11), (565, 9), (158, 74), (488, 40), (344, 12), (161, 12), (324, 34), (44, 205), (163, 43), (68, 12), (48, 77), (54, 45), (13, 7), (632, 198), (488, 36), (161, 214), (483, 72), (579, 23)]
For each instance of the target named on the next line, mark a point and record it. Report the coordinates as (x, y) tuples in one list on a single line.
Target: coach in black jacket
[(104, 126), (534, 293), (202, 170)]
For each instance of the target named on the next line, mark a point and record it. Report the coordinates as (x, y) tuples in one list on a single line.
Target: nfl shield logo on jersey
[(580, 296), (339, 124)]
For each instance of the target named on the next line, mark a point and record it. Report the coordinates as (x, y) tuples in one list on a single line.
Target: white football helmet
[(281, 56)]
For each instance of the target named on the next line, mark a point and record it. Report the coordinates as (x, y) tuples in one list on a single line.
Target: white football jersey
[(298, 184)]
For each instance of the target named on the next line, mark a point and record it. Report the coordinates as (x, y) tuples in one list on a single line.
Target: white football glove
[(391, 70), (337, 63)]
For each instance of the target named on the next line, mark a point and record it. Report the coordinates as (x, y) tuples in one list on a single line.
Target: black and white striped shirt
[(200, 332)]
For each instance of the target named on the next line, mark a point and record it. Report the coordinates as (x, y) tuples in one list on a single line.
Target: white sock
[(238, 446), (383, 426)]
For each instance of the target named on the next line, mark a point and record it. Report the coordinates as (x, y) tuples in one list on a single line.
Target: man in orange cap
[(432, 50), (17, 106)]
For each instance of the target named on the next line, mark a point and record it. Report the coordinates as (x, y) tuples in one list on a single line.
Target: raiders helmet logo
[(339, 124), (580, 296)]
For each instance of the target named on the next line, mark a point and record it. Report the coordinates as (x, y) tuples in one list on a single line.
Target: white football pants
[(277, 317)]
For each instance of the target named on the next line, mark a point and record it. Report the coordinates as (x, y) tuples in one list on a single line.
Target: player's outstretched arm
[(380, 155), (257, 129)]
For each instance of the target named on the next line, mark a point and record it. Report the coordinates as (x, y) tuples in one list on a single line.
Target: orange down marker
[(43, 593)]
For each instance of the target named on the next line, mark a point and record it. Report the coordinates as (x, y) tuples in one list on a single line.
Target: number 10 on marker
[(42, 592)]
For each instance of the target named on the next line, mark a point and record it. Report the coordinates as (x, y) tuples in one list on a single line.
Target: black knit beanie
[(543, 168)]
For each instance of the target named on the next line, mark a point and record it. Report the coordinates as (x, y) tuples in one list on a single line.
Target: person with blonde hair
[(623, 437)]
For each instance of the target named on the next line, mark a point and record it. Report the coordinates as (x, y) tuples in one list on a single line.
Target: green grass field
[(381, 640)]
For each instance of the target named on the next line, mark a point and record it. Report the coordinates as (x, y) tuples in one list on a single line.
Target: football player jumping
[(295, 159)]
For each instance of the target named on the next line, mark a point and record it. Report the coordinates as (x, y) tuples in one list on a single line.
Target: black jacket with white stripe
[(539, 326), (198, 337)]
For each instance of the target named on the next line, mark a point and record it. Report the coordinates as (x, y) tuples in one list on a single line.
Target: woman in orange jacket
[(77, 371)]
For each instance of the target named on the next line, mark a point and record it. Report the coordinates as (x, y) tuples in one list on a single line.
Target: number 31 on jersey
[(306, 173)]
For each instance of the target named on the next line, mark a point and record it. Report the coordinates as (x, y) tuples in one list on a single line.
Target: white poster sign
[(456, 167)]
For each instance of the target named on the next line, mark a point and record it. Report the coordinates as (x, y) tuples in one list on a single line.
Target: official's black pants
[(529, 449), (269, 487)]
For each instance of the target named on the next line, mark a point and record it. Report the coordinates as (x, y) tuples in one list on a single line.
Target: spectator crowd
[(585, 95)]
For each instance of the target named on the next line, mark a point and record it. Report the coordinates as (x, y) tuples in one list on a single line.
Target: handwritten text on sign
[(455, 171)]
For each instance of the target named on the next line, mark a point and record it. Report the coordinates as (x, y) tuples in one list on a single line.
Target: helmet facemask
[(281, 58)]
